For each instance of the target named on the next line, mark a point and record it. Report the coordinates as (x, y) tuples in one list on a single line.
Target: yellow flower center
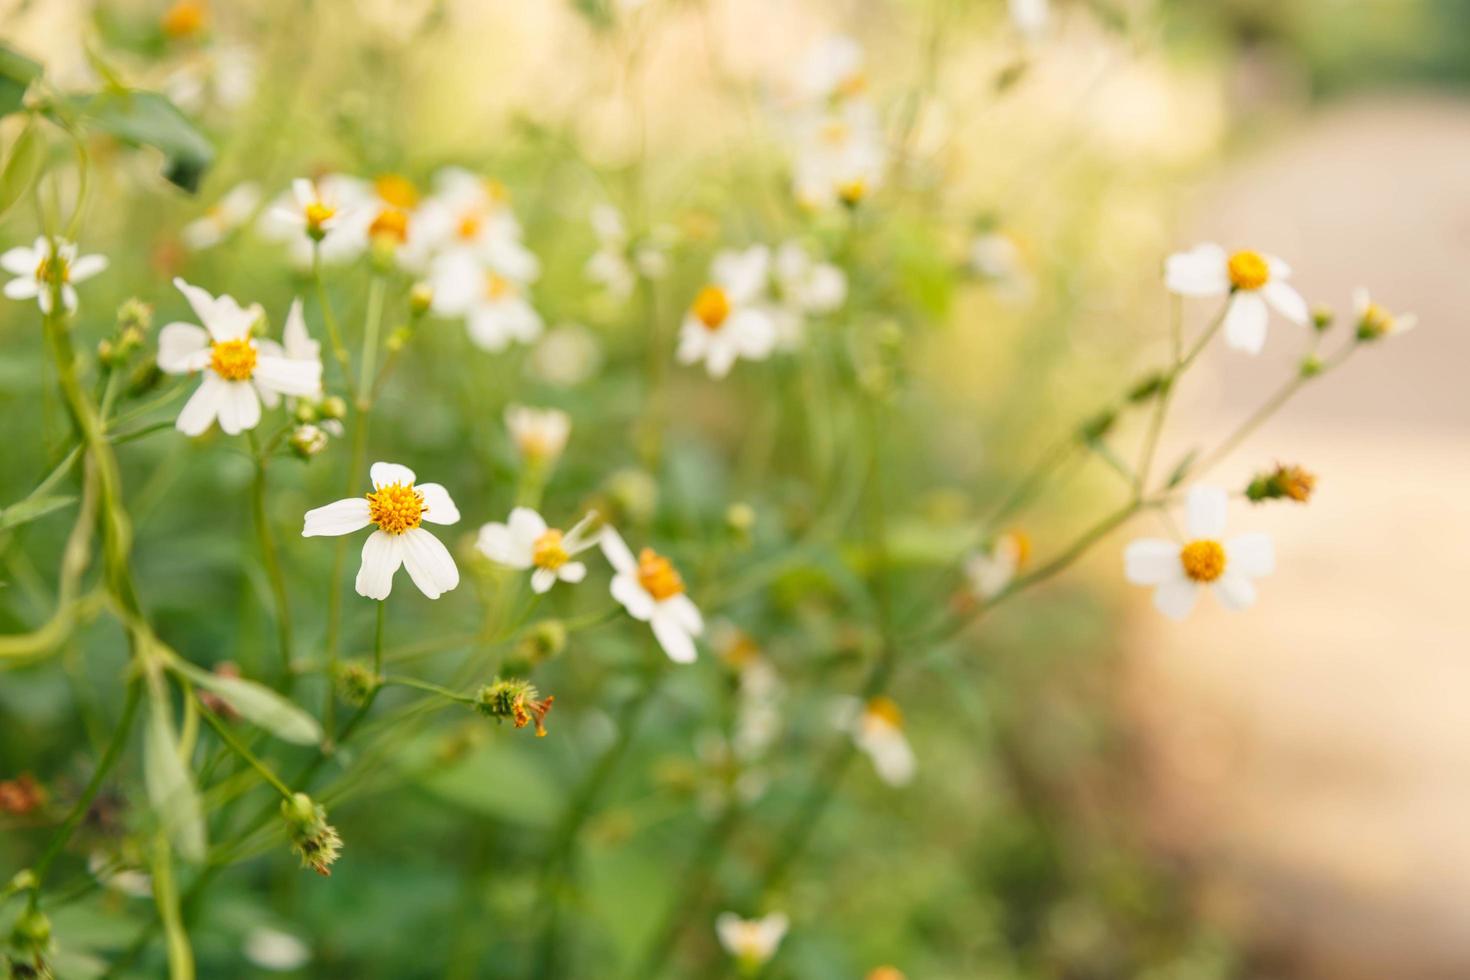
[(1203, 560), (1021, 542), (885, 710), (1248, 270), (851, 86), (397, 190), (1376, 321), (469, 226), (498, 287), (657, 576), (233, 360), (852, 192), (390, 223), (711, 307), (43, 269), (548, 552), (396, 507), (318, 214), (183, 19)]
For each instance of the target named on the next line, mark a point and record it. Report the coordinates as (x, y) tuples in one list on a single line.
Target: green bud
[(1311, 366), (420, 298), (516, 700), (1322, 318), (1098, 426), (542, 641), (308, 441), (333, 407), (356, 682), (740, 518), (32, 931), (1149, 388)]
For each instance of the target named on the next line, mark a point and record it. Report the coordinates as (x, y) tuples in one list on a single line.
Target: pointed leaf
[(170, 784), (29, 509), (150, 119), (16, 74), (22, 165), (260, 705)]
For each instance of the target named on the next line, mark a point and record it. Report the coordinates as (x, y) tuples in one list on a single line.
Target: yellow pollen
[(183, 19), (43, 270), (657, 576), (390, 223), (1376, 321), (1203, 560), (498, 287), (548, 552), (469, 226), (318, 214), (1248, 270), (712, 307), (233, 360), (886, 710), (397, 190), (396, 508)]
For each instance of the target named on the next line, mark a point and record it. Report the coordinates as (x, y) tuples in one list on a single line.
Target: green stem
[(329, 319), (235, 745), (272, 561)]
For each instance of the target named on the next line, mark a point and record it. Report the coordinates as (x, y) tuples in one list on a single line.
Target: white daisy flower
[(239, 371), (36, 265), (330, 215), (540, 434), (468, 215), (398, 508), (1030, 16), (230, 212), (806, 287), (730, 318), (839, 155), (832, 69), (1252, 280), (525, 541), (1180, 572), (990, 572), (274, 950), (610, 266), (751, 941), (877, 729), (493, 305), (1375, 321), (652, 592)]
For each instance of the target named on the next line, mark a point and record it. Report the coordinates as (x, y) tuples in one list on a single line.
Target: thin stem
[(329, 319), (271, 559), (235, 745), (374, 321)]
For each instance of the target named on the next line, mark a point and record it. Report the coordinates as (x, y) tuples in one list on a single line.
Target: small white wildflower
[(1251, 279), (525, 541), (652, 592), (1375, 322), (1030, 16), (35, 266), (540, 434), (230, 212), (751, 941), (729, 318), (566, 356), (832, 69), (990, 572), (877, 729)]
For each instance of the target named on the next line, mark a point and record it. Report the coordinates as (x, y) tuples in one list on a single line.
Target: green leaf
[(29, 509), (16, 74), (170, 784), (150, 119), (22, 165), (1177, 474), (259, 705)]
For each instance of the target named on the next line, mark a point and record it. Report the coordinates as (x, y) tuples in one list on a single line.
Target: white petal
[(672, 636), (542, 579), (299, 378), (384, 474), (203, 406), (439, 508), (20, 261), (1176, 599), (572, 572), (1287, 300), (22, 288), (299, 344), (340, 517), (752, 333), (382, 553), (616, 551), (429, 563), (496, 542), (635, 599), (1235, 591), (201, 302), (69, 297), (182, 348), (892, 757), (1276, 267), (1245, 322), (1151, 561), (1199, 272), (1251, 555), (684, 612), (239, 408), (525, 526), (1206, 512), (87, 266), (719, 357)]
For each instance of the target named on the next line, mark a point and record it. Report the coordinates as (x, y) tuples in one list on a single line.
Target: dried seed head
[(516, 700), (314, 840)]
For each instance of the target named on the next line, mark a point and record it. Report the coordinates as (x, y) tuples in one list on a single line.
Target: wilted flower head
[(40, 271), (314, 840), (990, 572), (1375, 322), (21, 795), (1284, 482), (540, 434), (356, 681), (751, 941), (516, 700)]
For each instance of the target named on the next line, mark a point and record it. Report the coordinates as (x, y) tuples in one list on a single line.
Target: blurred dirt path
[(1313, 754)]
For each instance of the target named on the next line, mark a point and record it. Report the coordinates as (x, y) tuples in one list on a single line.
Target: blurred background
[(1100, 792)]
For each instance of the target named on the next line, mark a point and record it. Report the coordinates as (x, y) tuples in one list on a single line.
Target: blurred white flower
[(540, 434), (1251, 279), (751, 941), (619, 261), (730, 318), (566, 356), (35, 266), (494, 306), (279, 952), (398, 508), (991, 571), (998, 259), (128, 881), (330, 214), (525, 541), (877, 729), (652, 592), (1030, 16), (839, 155), (230, 212), (298, 346), (1180, 572), (805, 287), (239, 372), (469, 216), (832, 69), (1375, 321)]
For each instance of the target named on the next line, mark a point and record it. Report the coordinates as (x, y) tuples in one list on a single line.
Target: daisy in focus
[(1252, 280), (877, 729), (652, 591), (751, 941), (399, 508), (36, 268), (525, 541), (730, 318), (229, 213), (1375, 322), (239, 371), (1179, 572)]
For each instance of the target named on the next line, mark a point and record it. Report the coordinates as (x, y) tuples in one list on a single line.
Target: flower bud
[(740, 519), (1311, 366), (314, 840), (1322, 317), (1098, 426), (1149, 387), (1282, 483), (134, 314), (420, 298), (333, 407), (542, 641), (308, 441), (398, 339), (31, 932), (514, 699), (356, 682)]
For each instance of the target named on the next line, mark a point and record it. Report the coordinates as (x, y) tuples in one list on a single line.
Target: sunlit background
[(1101, 792)]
